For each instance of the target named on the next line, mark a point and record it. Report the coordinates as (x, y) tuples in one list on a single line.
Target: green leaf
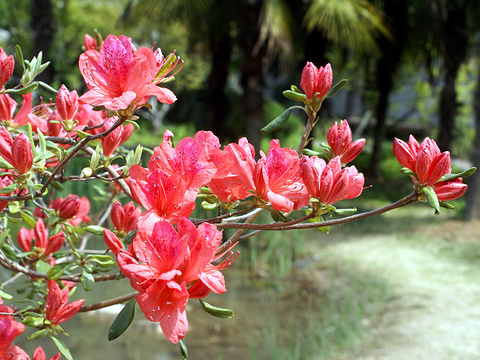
[(122, 321), (94, 229), (103, 261), (8, 189), (183, 349), (277, 123), (208, 206), (447, 205), (38, 334), (24, 90), (129, 238), (56, 271), (277, 216), (293, 95), (33, 321), (48, 87), (88, 281), (5, 296), (336, 88), (407, 171), (42, 266), (61, 346), (28, 218), (345, 212), (432, 199), (216, 311), (463, 174), (18, 51)]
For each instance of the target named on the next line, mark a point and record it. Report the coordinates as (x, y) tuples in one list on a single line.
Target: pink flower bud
[(55, 243), (112, 241), (125, 218), (66, 103), (57, 309), (68, 208), (22, 154), (25, 238), (6, 67), (339, 138), (316, 80), (89, 42), (113, 139), (450, 190)]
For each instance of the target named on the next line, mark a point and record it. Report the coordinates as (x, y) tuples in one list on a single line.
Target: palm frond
[(354, 24)]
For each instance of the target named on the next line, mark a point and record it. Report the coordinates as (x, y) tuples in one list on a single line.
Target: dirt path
[(437, 314)]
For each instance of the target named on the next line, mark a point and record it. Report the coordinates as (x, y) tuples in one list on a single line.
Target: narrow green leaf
[(8, 189), (18, 51), (216, 311), (463, 174), (432, 199), (62, 347), (94, 229), (88, 281), (346, 212), (27, 218), (46, 86), (183, 349), (38, 334), (122, 321), (102, 260), (277, 123), (292, 95), (130, 236), (277, 216), (5, 296), (23, 90), (336, 88)]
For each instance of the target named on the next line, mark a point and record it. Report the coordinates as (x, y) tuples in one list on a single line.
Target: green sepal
[(183, 349), (432, 199), (336, 88), (295, 89), (345, 212), (42, 266), (38, 334), (463, 174), (208, 205), (277, 123), (88, 282), (62, 347), (123, 320), (293, 95), (130, 236), (216, 311), (446, 205)]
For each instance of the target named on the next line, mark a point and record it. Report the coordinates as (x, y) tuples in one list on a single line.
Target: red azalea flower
[(330, 183), (125, 218), (277, 179), (18, 152), (66, 103), (9, 330), (234, 178), (57, 309), (39, 354), (113, 139), (174, 265), (119, 75), (42, 241), (339, 139)]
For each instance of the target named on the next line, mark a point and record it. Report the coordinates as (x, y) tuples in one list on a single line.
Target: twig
[(107, 303)]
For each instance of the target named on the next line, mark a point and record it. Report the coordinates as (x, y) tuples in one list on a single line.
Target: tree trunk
[(251, 68), (472, 209), (43, 32), (454, 51)]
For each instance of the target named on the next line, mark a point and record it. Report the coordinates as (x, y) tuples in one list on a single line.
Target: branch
[(107, 303)]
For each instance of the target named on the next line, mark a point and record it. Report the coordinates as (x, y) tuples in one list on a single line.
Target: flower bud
[(316, 80), (113, 139), (125, 218), (6, 67), (22, 154), (69, 207), (66, 103), (89, 42)]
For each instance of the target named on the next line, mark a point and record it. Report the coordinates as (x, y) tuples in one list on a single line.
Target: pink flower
[(119, 75), (68, 207), (6, 67), (125, 218), (339, 139), (429, 166), (46, 245), (277, 179), (66, 103), (113, 139), (7, 107), (316, 80), (234, 178), (4, 181), (57, 309), (90, 43), (172, 266), (82, 213), (39, 354), (330, 183), (9, 330), (18, 152)]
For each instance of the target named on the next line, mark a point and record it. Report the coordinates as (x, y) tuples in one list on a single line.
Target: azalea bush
[(146, 223)]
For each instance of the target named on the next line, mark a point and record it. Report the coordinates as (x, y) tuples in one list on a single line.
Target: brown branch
[(107, 303), (295, 226)]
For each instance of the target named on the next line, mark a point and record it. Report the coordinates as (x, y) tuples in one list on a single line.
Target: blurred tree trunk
[(472, 209), (251, 68), (452, 17), (220, 44), (43, 32), (396, 14)]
